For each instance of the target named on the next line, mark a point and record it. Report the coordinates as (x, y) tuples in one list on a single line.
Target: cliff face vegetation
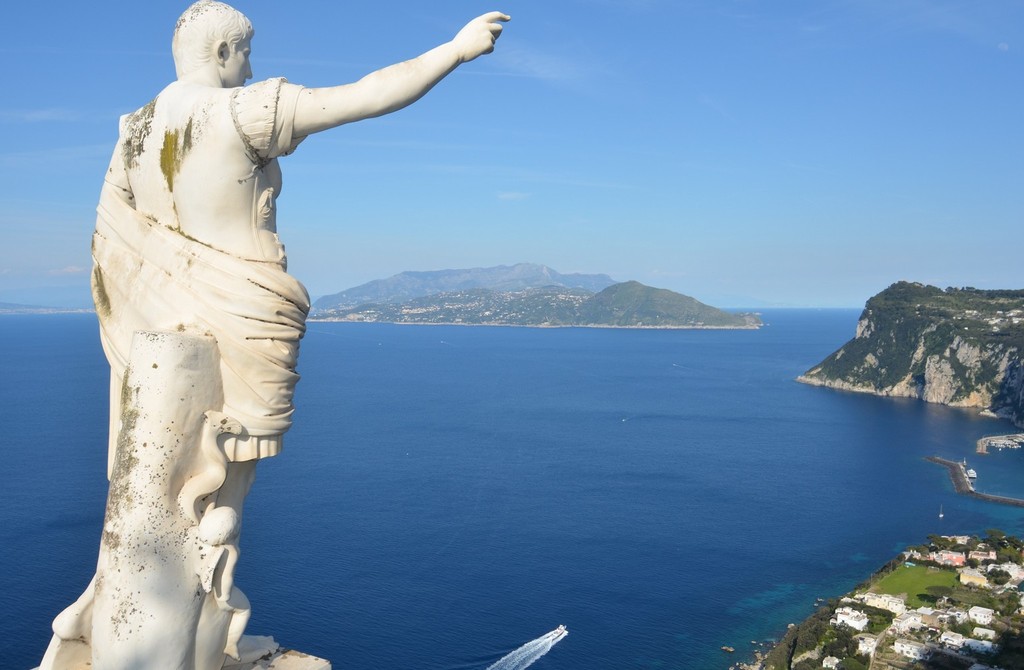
[(960, 347)]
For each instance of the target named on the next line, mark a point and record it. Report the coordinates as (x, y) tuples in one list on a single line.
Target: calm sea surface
[(448, 494)]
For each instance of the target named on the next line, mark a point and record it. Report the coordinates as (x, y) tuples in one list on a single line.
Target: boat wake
[(524, 656)]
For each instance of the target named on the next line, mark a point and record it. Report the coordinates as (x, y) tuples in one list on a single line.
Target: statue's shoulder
[(264, 114), (174, 100), (259, 101)]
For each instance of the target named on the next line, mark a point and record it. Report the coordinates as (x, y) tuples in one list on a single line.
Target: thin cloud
[(416, 145), (55, 156), (69, 270), (333, 65), (636, 5), (528, 176), (534, 63), (513, 195), (38, 115), (713, 104), (928, 16)]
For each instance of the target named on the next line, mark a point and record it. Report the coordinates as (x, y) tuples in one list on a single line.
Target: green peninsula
[(624, 305), (959, 346)]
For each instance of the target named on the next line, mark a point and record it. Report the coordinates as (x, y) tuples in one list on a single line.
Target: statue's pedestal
[(281, 660), (164, 594), (285, 660)]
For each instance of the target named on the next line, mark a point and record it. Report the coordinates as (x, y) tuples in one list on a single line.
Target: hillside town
[(952, 604)]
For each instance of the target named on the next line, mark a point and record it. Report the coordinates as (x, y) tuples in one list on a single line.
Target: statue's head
[(208, 30)]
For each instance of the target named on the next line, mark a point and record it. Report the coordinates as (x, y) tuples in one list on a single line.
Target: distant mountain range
[(522, 295), (409, 285), (16, 308)]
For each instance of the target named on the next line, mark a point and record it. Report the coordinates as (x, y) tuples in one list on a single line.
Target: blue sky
[(744, 152)]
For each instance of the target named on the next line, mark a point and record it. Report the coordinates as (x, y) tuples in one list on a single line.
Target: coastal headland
[(958, 347)]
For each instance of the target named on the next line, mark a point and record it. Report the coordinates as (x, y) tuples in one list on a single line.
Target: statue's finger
[(491, 17)]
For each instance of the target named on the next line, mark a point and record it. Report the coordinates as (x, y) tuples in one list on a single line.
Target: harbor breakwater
[(963, 485)]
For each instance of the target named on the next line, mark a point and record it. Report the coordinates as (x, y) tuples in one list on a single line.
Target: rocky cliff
[(959, 347)]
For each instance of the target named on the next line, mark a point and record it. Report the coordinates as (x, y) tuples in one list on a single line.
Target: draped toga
[(149, 274)]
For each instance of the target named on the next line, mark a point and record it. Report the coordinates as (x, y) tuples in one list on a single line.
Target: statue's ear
[(223, 53)]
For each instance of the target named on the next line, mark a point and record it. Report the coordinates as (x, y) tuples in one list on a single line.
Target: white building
[(911, 649), (929, 617), (866, 644), (983, 646), (907, 622), (951, 639), (853, 618), (960, 616), (983, 633), (884, 601), (830, 662), (982, 615)]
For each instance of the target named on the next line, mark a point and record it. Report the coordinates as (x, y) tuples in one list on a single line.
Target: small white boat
[(940, 512), (971, 474)]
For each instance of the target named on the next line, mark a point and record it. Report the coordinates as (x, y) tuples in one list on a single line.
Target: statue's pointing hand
[(479, 35)]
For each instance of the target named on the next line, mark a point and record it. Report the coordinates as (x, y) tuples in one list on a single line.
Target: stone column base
[(285, 660)]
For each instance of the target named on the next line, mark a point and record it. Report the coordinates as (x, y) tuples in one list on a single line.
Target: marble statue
[(201, 323)]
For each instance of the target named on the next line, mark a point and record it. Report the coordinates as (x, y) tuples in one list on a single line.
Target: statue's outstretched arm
[(397, 86)]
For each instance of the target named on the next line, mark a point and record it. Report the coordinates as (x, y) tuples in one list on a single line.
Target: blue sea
[(450, 493)]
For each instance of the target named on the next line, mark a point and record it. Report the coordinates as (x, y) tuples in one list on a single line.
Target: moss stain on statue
[(186, 139), (120, 498), (138, 126), (170, 160), (99, 293), (176, 146)]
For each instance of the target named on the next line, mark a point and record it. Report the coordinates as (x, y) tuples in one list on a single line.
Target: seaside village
[(953, 604)]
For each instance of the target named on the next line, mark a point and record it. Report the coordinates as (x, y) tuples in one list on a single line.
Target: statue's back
[(188, 169)]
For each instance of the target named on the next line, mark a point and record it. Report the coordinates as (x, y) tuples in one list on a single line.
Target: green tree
[(995, 536), (1008, 555), (999, 577), (839, 642), (854, 663)]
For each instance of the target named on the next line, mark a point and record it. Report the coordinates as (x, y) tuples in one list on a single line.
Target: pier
[(963, 485)]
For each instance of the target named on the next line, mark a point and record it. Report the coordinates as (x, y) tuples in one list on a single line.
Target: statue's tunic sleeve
[(264, 116)]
